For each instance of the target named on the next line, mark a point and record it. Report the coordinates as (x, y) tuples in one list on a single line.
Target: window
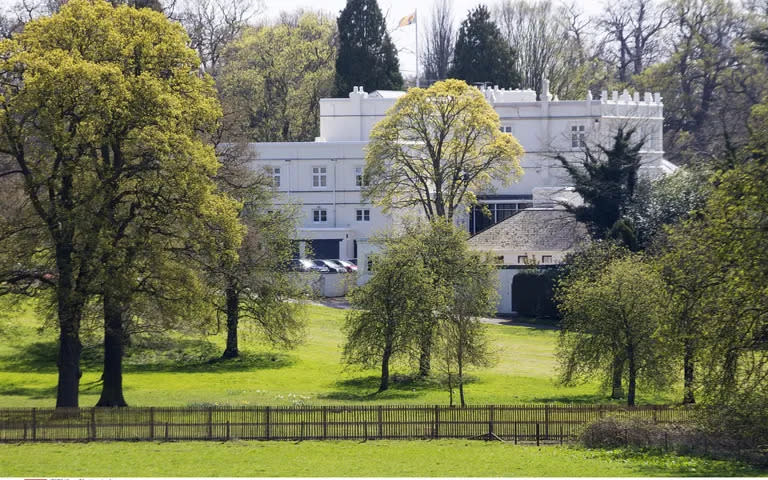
[(276, 176), (522, 259), (320, 215), (506, 128), (360, 180), (578, 136), (319, 177), (546, 259), (363, 215)]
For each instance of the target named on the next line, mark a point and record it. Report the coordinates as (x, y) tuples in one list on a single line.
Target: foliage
[(606, 181), (614, 316), (666, 201), (103, 124), (367, 57), (481, 54), (533, 294), (384, 325), (273, 78), (436, 149)]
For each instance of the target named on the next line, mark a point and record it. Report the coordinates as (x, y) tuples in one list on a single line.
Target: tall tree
[(214, 24), (635, 30), (481, 54), (436, 148), (615, 314), (273, 78), (384, 323), (112, 152), (439, 42), (367, 57), (606, 180)]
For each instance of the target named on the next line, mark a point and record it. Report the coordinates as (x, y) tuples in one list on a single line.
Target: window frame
[(319, 215), (319, 176), (363, 214)]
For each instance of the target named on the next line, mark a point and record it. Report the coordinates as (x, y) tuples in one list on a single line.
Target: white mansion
[(325, 176)]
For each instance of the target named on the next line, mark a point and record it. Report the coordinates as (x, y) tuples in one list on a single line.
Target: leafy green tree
[(258, 286), (367, 57), (383, 324), (103, 125), (606, 180), (666, 201), (462, 341), (273, 78), (616, 314), (436, 148), (481, 54)]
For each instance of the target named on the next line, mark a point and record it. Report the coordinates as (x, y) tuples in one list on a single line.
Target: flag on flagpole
[(407, 20)]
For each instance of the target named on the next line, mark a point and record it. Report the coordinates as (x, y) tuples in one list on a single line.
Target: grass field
[(180, 371), (185, 371), (458, 458)]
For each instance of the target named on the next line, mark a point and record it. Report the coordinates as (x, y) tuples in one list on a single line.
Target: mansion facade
[(325, 177)]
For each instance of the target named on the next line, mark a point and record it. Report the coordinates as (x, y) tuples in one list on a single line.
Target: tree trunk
[(425, 356), (69, 313), (632, 380), (114, 336), (385, 367), (688, 395), (233, 315), (461, 382), (618, 369)]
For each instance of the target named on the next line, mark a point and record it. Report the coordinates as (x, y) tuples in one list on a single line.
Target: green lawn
[(179, 371), (455, 458), (185, 370)]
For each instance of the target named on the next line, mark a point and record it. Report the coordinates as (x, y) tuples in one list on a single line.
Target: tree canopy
[(367, 57), (436, 148), (103, 124), (273, 78), (481, 54)]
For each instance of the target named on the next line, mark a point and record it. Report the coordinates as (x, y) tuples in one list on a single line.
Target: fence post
[(515, 432), (490, 421), (381, 424), (228, 433), (325, 422), (546, 421), (561, 434), (151, 423), (34, 424), (166, 431), (537, 434), (266, 422), (210, 423), (93, 424), (437, 421)]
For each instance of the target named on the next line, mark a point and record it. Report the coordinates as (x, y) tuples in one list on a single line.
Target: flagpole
[(416, 19)]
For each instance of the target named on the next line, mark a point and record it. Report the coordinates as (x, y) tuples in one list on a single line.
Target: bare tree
[(439, 42), (635, 30), (212, 24)]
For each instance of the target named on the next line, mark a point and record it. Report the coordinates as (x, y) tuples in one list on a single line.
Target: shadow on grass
[(36, 393), (157, 355), (583, 399), (365, 389), (655, 462)]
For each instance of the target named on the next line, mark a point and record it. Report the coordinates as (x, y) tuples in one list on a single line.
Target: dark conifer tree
[(606, 180), (367, 55), (481, 54)]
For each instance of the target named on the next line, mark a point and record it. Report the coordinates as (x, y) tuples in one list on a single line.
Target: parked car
[(351, 267), (307, 265), (331, 265)]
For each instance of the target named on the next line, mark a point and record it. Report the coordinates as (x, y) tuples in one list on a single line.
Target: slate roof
[(533, 229)]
